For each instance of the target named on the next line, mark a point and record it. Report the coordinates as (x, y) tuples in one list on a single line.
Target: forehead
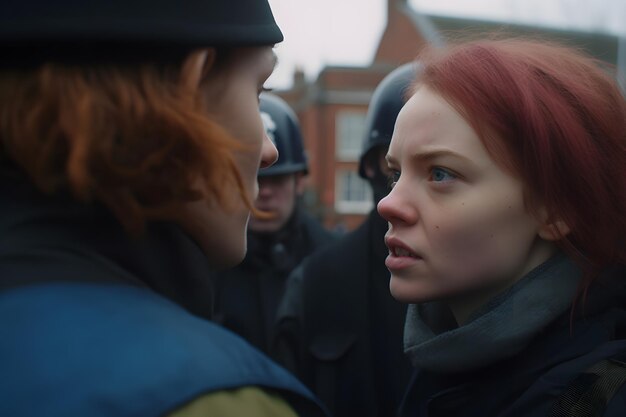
[(428, 122)]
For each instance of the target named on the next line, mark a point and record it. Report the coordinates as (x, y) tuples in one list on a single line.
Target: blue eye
[(439, 174)]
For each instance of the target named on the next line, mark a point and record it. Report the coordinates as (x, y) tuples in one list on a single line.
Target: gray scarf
[(501, 329)]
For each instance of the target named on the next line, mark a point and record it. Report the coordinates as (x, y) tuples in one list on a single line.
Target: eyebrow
[(429, 155)]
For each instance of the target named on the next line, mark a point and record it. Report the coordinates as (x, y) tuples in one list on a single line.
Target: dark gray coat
[(339, 329)]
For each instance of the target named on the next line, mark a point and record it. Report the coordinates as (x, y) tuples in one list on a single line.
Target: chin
[(405, 293), (227, 262), (397, 292), (223, 250), (263, 228), (221, 235), (230, 253), (225, 258), (401, 296)]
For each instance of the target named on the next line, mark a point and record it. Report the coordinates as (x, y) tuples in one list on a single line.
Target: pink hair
[(555, 118)]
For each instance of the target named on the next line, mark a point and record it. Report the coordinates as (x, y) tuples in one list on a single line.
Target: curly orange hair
[(128, 136)]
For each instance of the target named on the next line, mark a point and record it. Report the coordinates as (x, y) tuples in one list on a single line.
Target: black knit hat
[(167, 24)]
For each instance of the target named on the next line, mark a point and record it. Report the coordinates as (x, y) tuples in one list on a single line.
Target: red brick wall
[(399, 44)]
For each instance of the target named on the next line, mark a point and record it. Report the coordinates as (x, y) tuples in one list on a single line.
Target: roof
[(439, 29)]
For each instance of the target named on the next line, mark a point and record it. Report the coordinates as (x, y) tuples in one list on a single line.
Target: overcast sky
[(346, 32)]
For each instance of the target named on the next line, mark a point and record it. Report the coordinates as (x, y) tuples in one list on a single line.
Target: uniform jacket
[(96, 323), (248, 295), (516, 356), (340, 330)]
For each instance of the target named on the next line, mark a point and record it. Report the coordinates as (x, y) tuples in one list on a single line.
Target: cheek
[(460, 233), (248, 159), (247, 162), (477, 239), (256, 135)]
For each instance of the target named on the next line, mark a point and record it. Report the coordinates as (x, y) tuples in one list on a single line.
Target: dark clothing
[(77, 294), (42, 230), (339, 329), (248, 295), (517, 355)]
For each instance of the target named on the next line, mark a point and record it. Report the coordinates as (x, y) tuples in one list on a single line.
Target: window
[(349, 131), (352, 193)]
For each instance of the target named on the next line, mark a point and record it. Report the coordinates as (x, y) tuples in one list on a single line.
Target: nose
[(397, 209), (269, 153)]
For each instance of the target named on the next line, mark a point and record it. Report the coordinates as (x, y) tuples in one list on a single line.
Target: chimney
[(393, 6), (299, 78)]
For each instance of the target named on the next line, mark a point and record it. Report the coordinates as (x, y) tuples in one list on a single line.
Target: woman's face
[(458, 226), (232, 97)]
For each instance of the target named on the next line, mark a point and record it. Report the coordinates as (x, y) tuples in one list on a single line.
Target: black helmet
[(282, 127), (166, 24), (386, 102)]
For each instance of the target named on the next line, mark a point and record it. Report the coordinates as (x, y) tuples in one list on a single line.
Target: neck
[(465, 306)]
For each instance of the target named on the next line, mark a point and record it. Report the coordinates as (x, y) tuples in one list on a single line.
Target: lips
[(400, 256), (402, 252), (397, 248)]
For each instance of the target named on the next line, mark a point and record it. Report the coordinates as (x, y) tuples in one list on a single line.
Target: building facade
[(332, 108)]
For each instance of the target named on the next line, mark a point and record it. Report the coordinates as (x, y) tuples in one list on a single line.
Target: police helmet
[(386, 102), (61, 26), (282, 127)]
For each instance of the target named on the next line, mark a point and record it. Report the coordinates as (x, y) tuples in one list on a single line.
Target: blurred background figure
[(338, 328), (329, 78), (248, 295)]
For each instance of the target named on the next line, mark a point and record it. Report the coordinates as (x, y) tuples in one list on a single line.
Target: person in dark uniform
[(249, 294), (338, 328), (130, 140)]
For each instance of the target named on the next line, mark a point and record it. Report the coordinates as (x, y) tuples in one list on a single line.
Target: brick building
[(332, 109)]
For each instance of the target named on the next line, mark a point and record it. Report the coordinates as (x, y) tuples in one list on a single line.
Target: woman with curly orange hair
[(506, 232), (130, 139)]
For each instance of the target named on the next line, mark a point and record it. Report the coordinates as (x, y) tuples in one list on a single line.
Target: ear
[(370, 171), (195, 67), (376, 161), (551, 228), (554, 231)]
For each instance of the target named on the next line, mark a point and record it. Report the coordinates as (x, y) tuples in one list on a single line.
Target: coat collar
[(59, 239), (504, 327)]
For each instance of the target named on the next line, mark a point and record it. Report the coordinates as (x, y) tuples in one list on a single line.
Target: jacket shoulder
[(316, 232), (552, 386), (333, 256), (315, 276), (335, 274), (149, 354)]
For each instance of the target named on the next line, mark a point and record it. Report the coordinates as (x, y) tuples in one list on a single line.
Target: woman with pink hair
[(506, 232)]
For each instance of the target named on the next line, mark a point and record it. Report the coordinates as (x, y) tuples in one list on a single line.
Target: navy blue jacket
[(101, 350)]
